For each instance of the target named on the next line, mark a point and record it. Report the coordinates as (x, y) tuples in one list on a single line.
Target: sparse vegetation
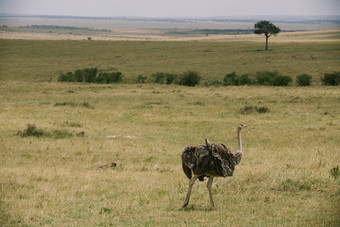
[(253, 109)]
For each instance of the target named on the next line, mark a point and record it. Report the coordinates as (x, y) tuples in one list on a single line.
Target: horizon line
[(240, 17)]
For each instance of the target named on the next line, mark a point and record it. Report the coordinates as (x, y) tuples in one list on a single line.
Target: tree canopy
[(267, 28)]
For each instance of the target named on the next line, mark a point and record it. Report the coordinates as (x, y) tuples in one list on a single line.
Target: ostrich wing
[(224, 164), (196, 159)]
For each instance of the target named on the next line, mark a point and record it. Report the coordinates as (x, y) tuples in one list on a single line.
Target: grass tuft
[(34, 131), (31, 130), (335, 173), (254, 109), (72, 104), (294, 185)]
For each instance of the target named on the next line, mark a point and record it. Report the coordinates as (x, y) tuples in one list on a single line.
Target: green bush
[(189, 78), (244, 79), (230, 79), (272, 78), (266, 78), (171, 78), (91, 75), (331, 79), (282, 80), (164, 78), (236, 80), (303, 80), (141, 79), (158, 78), (86, 75), (68, 77), (108, 78), (78, 75)]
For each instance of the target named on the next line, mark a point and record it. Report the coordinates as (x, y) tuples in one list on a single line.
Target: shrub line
[(193, 78)]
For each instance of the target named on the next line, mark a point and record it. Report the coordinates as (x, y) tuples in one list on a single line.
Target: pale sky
[(171, 8)]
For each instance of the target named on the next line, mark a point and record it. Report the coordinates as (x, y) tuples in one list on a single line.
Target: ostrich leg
[(191, 183), (209, 184)]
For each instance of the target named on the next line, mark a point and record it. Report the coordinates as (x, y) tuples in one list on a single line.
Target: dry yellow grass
[(283, 180)]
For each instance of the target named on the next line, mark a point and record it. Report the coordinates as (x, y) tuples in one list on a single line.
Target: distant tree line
[(65, 28), (213, 31)]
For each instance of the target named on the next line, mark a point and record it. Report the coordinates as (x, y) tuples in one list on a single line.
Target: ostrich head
[(241, 126)]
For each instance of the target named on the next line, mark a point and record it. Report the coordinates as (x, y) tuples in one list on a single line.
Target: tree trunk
[(267, 42)]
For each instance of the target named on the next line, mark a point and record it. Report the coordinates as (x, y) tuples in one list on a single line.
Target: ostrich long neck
[(239, 141), (237, 156)]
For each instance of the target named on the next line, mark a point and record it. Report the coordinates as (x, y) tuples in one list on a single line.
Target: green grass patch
[(39, 63)]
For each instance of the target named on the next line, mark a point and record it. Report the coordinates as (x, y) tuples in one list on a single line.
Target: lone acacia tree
[(267, 28)]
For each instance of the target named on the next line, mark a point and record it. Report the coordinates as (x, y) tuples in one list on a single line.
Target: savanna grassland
[(41, 60), (287, 176)]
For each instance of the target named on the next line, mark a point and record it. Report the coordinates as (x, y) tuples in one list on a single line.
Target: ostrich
[(210, 160)]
